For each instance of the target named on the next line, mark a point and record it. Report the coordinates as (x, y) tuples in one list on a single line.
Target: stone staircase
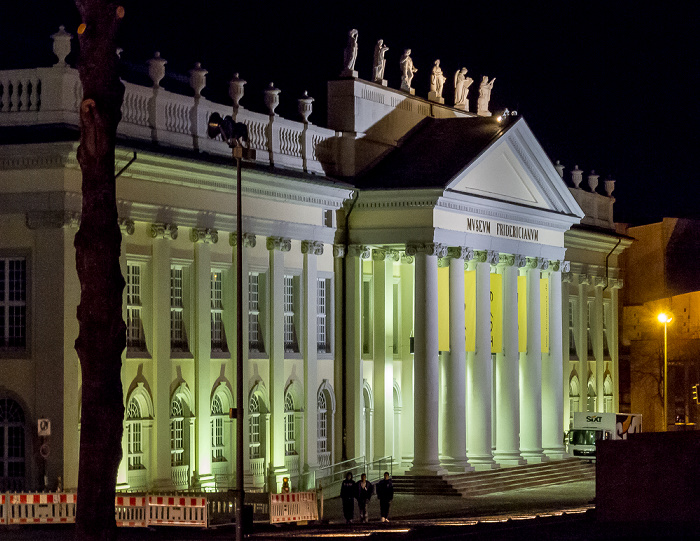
[(501, 480)]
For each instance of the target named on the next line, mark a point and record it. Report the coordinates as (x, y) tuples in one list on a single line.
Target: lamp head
[(663, 317), (220, 126)]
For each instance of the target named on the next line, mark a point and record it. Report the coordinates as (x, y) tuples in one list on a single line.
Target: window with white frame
[(255, 335), (366, 315), (606, 335), (290, 444), (323, 311), (217, 430), (218, 337), (589, 317), (177, 433), (13, 303), (254, 427), (134, 435), (322, 427), (396, 317), (178, 339), (134, 326), (290, 335), (572, 330)]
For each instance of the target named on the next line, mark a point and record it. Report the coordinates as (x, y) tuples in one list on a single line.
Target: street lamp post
[(234, 133), (665, 319)]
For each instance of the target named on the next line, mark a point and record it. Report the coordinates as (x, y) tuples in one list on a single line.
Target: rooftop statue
[(462, 84), (407, 71), (379, 61), (437, 79), (482, 104), (350, 54)]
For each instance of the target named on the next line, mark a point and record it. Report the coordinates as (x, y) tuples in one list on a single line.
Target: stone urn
[(198, 79), (593, 181), (236, 89), (609, 186), (576, 176), (305, 106), (156, 69), (61, 46), (272, 98)]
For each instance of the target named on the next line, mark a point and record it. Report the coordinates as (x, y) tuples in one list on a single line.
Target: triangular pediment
[(515, 169)]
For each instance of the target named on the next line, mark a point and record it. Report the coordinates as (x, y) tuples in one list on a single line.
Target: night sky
[(610, 86)]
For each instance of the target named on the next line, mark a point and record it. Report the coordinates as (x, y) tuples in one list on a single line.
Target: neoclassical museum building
[(420, 283)]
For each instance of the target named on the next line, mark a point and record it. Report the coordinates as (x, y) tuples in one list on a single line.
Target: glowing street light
[(665, 319)]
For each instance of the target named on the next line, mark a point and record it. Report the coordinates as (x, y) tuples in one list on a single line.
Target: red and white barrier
[(47, 508), (3, 509), (294, 507), (177, 511), (130, 511)]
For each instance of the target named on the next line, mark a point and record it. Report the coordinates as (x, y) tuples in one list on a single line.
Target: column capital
[(566, 266), (460, 252), (249, 239), (539, 263), (378, 254), (395, 255), (554, 265), (599, 281), (279, 243), (567, 277), (359, 250), (311, 247), (428, 248), (617, 283), (163, 231), (407, 259), (486, 256), (204, 234), (506, 260), (127, 226), (338, 250), (584, 279)]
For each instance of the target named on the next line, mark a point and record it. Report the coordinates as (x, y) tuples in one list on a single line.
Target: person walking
[(385, 493), (364, 493), (348, 491)]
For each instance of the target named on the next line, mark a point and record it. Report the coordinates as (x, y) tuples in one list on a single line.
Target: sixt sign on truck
[(589, 427)]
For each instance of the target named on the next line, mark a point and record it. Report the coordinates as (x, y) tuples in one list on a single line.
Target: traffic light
[(695, 393)]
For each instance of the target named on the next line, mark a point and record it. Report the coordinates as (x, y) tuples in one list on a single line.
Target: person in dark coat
[(385, 493), (348, 492), (364, 493)]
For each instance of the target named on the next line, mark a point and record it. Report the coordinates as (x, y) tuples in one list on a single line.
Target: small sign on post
[(44, 427)]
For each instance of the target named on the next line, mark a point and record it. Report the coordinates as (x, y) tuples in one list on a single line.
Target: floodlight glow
[(664, 318)]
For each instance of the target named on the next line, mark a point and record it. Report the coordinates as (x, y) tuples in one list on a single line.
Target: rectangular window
[(366, 315), (323, 329), (134, 445), (395, 340), (255, 335), (177, 442), (572, 331), (218, 337), (13, 303), (606, 336), (178, 339), (588, 328), (134, 327), (290, 336)]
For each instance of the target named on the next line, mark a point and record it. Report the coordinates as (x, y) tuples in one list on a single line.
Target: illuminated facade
[(415, 309)]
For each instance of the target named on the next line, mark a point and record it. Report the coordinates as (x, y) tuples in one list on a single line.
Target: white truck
[(589, 427)]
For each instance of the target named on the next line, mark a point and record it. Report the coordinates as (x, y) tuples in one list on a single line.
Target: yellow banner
[(496, 313), (444, 308), (470, 309), (544, 314), (522, 314)]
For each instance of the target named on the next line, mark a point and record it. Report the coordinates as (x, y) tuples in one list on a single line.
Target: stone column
[(456, 370), (162, 234), (553, 372), (407, 301), (615, 286), (383, 281), (583, 282), (426, 459), (480, 368), (597, 330), (353, 350), (203, 238), (277, 246), (508, 368), (311, 251), (566, 278), (531, 369), (339, 427)]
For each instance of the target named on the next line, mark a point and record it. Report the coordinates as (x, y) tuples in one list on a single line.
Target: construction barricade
[(47, 508), (3, 509), (294, 507), (130, 511), (177, 511)]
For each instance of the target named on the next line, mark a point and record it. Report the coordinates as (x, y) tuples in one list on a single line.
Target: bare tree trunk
[(102, 335)]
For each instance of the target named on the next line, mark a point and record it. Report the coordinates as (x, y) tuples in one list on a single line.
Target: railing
[(180, 476), (376, 468), (291, 464), (52, 95), (335, 473)]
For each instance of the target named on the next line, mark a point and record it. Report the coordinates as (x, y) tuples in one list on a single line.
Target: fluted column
[(508, 368), (553, 372), (615, 285), (407, 312), (339, 449), (426, 459), (531, 369), (584, 281), (277, 246), (480, 369), (597, 327), (455, 380)]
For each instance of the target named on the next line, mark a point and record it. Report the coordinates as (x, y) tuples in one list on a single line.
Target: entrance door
[(12, 461)]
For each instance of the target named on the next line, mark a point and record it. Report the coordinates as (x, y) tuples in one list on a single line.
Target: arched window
[(134, 435), (254, 427), (217, 430), (574, 396), (322, 429), (177, 433), (290, 445), (607, 393), (12, 460)]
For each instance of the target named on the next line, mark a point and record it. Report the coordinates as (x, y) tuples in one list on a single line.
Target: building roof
[(433, 153)]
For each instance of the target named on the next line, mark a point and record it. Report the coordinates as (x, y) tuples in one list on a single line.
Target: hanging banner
[(444, 308), (522, 314), (470, 309), (496, 313), (544, 314)]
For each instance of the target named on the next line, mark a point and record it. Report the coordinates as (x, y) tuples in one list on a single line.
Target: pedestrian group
[(362, 492)]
